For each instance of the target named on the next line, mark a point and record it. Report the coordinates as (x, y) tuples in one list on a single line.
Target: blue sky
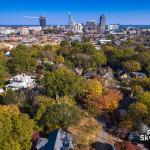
[(56, 11)]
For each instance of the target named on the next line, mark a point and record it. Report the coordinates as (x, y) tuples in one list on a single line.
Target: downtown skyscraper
[(102, 24), (42, 20)]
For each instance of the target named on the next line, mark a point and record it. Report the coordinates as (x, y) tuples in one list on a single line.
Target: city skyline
[(129, 12)]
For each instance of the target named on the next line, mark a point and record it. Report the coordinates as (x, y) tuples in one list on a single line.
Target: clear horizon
[(126, 13)]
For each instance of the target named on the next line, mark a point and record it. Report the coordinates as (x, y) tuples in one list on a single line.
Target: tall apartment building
[(91, 25), (42, 20), (102, 24)]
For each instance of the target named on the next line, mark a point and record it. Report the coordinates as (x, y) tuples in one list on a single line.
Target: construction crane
[(29, 17), (42, 20)]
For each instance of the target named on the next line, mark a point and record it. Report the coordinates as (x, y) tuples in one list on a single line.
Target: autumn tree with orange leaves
[(106, 102)]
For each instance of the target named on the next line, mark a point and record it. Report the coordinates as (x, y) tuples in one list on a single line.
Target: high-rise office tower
[(91, 25), (102, 24), (42, 20)]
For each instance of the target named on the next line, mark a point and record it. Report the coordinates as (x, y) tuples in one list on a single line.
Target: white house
[(104, 41), (21, 81), (76, 38), (1, 91)]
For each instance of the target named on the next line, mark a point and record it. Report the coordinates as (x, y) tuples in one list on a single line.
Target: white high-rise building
[(71, 23), (78, 28), (74, 27)]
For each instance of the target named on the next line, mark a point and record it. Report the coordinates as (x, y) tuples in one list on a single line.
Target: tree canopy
[(60, 116), (108, 101), (3, 69), (16, 129), (145, 99), (132, 66), (62, 82), (21, 61), (92, 88)]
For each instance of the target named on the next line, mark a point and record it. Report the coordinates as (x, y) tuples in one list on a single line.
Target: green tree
[(59, 60), (65, 48), (147, 69), (84, 60), (139, 48), (143, 57), (16, 129), (114, 56), (143, 82), (14, 97), (137, 113), (62, 82), (117, 55), (40, 104), (21, 61), (3, 69), (99, 58), (60, 116), (137, 90), (130, 42), (88, 48), (132, 66), (145, 99)]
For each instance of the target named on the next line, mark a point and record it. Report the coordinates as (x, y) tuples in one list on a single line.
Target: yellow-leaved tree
[(16, 129)]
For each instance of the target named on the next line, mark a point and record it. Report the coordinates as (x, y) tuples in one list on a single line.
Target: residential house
[(138, 75), (78, 71), (124, 76), (1, 91), (89, 75), (8, 54), (57, 140), (104, 41), (107, 76), (21, 81), (106, 73)]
